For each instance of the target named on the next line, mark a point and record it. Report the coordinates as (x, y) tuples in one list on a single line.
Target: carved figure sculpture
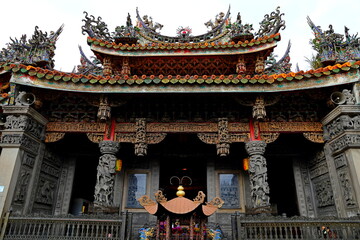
[(219, 18), (241, 66), (149, 22), (259, 65), (259, 108), (104, 111), (349, 97)]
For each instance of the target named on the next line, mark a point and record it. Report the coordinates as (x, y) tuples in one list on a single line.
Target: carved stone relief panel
[(345, 141), (46, 191), (322, 185), (323, 191), (22, 185), (307, 189), (50, 169), (340, 161), (24, 123), (51, 164), (347, 189), (319, 169), (62, 185), (45, 196), (317, 159), (28, 160), (341, 124), (65, 187), (300, 192), (20, 139)]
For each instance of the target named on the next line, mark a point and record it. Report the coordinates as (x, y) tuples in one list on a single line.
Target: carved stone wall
[(47, 185), (22, 185), (303, 188), (66, 179), (342, 136), (24, 130), (321, 184)]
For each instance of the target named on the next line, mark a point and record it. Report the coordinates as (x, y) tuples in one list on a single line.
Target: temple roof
[(51, 79), (224, 37), (184, 49)]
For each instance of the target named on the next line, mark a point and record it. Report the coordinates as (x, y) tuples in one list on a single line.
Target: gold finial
[(180, 192)]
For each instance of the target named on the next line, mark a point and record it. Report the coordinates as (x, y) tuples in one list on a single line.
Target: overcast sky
[(21, 16)]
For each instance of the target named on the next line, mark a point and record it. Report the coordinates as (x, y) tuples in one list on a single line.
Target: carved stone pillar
[(104, 189), (342, 151), (21, 157), (259, 186)]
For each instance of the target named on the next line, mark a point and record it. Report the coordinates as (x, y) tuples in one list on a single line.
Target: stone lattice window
[(229, 190), (136, 189)]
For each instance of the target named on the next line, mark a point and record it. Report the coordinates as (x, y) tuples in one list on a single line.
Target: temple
[(180, 137)]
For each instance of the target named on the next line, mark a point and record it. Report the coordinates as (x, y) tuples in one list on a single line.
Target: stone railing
[(245, 228), (90, 228)]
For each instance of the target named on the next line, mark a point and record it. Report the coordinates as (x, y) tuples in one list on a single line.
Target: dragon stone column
[(104, 189), (258, 176)]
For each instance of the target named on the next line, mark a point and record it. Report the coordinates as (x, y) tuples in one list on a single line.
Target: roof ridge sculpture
[(271, 24), (37, 50), (332, 47), (218, 28), (145, 30), (283, 65)]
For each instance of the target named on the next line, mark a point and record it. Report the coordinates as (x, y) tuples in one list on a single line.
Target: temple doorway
[(280, 156), (183, 155), (82, 156)]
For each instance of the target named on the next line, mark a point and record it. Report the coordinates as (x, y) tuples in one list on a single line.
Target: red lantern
[(246, 164), (118, 165)]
